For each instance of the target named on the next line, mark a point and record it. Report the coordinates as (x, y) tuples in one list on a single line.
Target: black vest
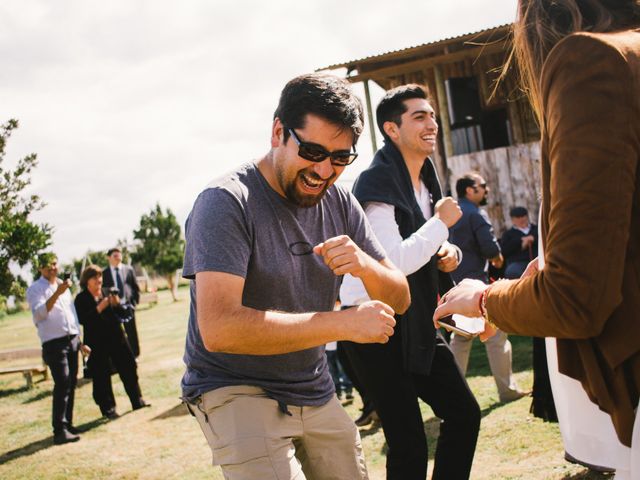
[(387, 180)]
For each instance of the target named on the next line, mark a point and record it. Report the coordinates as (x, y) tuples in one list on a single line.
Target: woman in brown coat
[(580, 60)]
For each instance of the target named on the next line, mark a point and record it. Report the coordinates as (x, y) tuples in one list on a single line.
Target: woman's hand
[(464, 299), (102, 304), (531, 269), (114, 300)]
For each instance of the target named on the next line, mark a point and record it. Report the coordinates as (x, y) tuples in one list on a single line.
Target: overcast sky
[(129, 103)]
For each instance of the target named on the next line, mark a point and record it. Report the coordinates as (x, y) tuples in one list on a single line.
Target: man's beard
[(483, 202), (294, 196)]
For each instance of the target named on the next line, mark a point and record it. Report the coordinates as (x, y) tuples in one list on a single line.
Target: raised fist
[(371, 322), (448, 210)]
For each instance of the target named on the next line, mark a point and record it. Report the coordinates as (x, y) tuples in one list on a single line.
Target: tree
[(97, 257), (161, 246), (123, 245), (20, 239)]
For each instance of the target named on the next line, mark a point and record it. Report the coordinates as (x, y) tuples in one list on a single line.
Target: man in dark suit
[(123, 278)]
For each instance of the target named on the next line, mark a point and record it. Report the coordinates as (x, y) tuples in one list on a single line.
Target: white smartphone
[(448, 323)]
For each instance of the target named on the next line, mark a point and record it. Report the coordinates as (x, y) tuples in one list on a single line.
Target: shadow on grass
[(38, 445), (432, 432), (146, 306), (522, 358), (49, 392), (176, 411), (587, 474), (12, 391), (432, 429), (38, 396), (372, 429)]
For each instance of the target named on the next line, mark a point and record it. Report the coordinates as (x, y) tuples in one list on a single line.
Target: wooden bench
[(148, 297), (27, 369)]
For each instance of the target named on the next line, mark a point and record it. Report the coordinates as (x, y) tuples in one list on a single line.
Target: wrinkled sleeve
[(590, 105), (483, 233), (86, 311), (412, 253), (37, 300), (360, 231), (217, 236)]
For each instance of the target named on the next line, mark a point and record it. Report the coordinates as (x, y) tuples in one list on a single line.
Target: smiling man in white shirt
[(401, 196)]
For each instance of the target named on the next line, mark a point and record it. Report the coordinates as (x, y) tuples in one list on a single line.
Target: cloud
[(130, 103)]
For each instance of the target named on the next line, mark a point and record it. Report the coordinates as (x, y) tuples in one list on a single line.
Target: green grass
[(164, 442)]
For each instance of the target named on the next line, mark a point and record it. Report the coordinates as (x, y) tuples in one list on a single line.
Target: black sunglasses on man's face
[(317, 153)]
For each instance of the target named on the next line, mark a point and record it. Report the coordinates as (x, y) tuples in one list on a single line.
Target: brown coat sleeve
[(590, 154)]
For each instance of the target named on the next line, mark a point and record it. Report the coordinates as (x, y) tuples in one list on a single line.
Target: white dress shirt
[(408, 254), (61, 320)]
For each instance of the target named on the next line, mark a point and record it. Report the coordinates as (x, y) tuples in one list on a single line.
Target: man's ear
[(391, 129), (277, 133)]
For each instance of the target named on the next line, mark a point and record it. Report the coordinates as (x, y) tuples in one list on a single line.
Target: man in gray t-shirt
[(266, 249)]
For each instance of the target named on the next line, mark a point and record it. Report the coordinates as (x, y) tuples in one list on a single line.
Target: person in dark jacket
[(123, 277), (101, 315), (519, 243)]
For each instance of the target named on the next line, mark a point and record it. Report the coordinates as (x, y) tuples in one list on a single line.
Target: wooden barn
[(482, 128)]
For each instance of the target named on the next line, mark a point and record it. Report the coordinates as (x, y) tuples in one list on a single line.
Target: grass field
[(164, 442)]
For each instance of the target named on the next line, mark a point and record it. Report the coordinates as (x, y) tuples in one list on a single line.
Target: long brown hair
[(541, 24)]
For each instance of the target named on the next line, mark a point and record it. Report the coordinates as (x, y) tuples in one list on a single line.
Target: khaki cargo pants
[(252, 439)]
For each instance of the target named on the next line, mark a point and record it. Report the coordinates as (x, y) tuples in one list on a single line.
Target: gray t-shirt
[(240, 225)]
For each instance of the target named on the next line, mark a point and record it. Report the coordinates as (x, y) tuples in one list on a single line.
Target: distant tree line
[(158, 246)]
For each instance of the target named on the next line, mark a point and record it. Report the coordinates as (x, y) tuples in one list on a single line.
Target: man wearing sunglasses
[(401, 195), (474, 235), (266, 248)]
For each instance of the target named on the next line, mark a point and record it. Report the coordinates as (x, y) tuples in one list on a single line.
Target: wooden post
[(443, 109), (372, 123), (28, 376)]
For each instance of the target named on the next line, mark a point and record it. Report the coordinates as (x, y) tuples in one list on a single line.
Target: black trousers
[(132, 334), (542, 406), (102, 356), (367, 404), (61, 355), (395, 393)]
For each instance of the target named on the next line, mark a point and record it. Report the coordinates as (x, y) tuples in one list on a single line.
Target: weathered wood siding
[(512, 174)]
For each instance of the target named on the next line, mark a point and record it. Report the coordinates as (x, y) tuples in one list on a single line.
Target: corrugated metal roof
[(409, 49)]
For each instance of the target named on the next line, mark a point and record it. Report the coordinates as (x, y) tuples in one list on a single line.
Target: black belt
[(66, 338)]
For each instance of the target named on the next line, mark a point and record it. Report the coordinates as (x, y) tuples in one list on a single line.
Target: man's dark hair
[(326, 96), (46, 259), (114, 249), (392, 106), (517, 212), (467, 180)]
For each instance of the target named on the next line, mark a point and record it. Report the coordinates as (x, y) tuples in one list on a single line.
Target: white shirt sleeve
[(410, 254), (37, 299)]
